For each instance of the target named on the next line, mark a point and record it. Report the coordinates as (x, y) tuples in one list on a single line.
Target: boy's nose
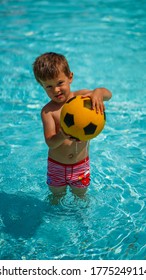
[(57, 89)]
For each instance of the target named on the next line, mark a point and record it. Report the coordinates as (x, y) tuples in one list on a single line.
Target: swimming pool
[(104, 42)]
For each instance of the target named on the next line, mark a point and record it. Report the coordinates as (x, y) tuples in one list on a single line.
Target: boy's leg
[(80, 192), (58, 190), (58, 193)]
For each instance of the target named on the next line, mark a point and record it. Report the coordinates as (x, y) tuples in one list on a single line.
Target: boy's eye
[(48, 87), (60, 83)]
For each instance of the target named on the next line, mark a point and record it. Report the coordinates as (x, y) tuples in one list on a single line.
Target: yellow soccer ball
[(79, 120)]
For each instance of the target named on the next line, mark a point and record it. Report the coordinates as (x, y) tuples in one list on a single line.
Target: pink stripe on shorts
[(75, 175)]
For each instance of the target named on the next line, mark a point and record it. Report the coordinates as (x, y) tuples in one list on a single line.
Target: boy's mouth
[(59, 95)]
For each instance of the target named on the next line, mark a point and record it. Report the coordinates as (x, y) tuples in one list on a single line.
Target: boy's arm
[(97, 96), (53, 139)]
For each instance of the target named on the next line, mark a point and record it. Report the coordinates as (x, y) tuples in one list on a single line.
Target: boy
[(68, 161)]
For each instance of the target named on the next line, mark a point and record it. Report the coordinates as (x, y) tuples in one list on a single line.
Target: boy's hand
[(97, 100), (67, 136)]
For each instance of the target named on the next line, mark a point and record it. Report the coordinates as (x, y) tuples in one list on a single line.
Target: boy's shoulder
[(50, 108), (47, 108)]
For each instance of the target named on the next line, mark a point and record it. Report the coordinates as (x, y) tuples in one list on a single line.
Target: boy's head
[(49, 65)]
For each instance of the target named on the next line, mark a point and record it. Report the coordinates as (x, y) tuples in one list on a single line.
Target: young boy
[(68, 159)]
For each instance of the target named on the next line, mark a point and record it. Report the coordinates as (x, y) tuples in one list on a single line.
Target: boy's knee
[(80, 192), (58, 190)]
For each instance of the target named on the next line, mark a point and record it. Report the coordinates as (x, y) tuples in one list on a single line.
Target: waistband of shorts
[(69, 164)]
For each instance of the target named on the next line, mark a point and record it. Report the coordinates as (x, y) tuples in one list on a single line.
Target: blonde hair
[(49, 65)]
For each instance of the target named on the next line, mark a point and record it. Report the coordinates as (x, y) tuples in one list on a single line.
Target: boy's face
[(58, 89)]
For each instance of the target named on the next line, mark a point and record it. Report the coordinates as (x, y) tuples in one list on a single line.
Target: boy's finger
[(102, 108)]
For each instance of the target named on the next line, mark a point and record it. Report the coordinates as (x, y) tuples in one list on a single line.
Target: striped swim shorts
[(75, 175)]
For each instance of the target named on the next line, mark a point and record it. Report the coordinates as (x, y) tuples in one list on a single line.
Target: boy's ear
[(71, 77)]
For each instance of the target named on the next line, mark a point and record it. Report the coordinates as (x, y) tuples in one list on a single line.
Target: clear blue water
[(105, 44)]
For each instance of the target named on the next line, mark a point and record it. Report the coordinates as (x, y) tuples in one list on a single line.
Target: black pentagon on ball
[(87, 103), (90, 128), (69, 119)]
